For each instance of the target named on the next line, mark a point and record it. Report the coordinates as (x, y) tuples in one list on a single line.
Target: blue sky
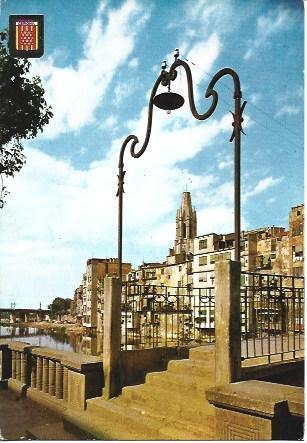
[(101, 60)]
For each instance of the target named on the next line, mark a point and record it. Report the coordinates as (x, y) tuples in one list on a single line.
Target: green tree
[(60, 305), (23, 111)]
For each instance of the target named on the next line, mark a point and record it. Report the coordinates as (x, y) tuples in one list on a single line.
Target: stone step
[(181, 381), (206, 352), (192, 367), (118, 420), (156, 400), (100, 426), (176, 420), (51, 431)]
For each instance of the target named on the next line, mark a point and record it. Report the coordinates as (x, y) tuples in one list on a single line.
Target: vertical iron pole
[(237, 167), (120, 220)]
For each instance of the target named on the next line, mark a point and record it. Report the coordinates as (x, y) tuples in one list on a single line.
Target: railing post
[(23, 367), (5, 364), (45, 375), (18, 365), (227, 322), (33, 371), (39, 373), (58, 380), (51, 377), (14, 364), (65, 384), (112, 337)]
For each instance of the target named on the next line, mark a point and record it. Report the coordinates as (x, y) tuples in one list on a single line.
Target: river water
[(56, 338)]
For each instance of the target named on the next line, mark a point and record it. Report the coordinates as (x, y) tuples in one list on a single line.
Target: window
[(202, 276), (273, 245), (162, 271), (297, 230), (298, 271), (298, 251), (203, 260), (184, 230), (220, 257), (298, 212), (180, 267), (221, 244), (203, 244)]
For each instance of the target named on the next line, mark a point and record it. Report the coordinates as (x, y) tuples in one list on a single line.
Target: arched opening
[(184, 230)]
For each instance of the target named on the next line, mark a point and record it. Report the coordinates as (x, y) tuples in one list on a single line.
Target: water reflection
[(57, 338)]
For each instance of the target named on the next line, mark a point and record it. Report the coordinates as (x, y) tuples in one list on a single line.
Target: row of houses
[(190, 263)]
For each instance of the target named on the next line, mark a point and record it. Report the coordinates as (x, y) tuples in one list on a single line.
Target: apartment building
[(190, 264), (271, 250), (89, 296)]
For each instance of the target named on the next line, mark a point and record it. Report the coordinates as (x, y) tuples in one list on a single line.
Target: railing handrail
[(271, 275), (125, 283)]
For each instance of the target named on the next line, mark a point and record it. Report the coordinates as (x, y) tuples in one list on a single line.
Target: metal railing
[(272, 316), (155, 316)]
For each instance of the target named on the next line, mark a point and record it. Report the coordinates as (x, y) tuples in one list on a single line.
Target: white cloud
[(83, 150), (254, 98), (66, 215), (205, 14), (133, 63), (218, 219), (287, 110), (58, 216), (205, 53), (226, 163), (271, 200), (83, 86), (263, 185), (276, 20), (121, 91), (109, 123)]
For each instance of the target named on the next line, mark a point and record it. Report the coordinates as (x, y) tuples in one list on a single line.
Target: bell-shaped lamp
[(168, 101)]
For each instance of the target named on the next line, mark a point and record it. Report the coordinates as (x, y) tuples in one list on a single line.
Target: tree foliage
[(60, 305), (23, 111)]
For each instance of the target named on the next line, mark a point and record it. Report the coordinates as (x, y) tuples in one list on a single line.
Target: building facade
[(190, 265), (270, 250), (89, 296)]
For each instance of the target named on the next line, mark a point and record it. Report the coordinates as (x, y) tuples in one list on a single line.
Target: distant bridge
[(24, 314)]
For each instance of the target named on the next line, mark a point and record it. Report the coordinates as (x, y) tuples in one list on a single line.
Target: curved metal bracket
[(165, 78)]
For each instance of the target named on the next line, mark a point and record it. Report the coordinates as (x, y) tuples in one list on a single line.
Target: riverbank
[(46, 325)]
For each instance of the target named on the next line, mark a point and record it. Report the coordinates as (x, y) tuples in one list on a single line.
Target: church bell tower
[(186, 226)]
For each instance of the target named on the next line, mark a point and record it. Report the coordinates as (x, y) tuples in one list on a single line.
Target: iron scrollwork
[(165, 78)]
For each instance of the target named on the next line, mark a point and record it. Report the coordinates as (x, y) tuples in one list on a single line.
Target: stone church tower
[(186, 226)]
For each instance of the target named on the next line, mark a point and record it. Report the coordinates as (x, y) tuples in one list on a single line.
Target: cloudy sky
[(101, 60)]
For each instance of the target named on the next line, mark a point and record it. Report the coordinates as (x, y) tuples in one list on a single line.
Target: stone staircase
[(170, 405)]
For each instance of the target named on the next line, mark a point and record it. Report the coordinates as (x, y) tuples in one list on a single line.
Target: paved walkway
[(17, 415)]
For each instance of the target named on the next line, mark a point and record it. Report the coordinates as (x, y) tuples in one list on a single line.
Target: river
[(56, 338)]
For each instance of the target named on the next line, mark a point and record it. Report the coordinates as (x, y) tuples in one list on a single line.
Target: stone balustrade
[(258, 410), (5, 364), (51, 377), (20, 366)]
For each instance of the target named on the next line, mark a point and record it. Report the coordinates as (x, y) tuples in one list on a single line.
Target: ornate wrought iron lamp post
[(170, 101)]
